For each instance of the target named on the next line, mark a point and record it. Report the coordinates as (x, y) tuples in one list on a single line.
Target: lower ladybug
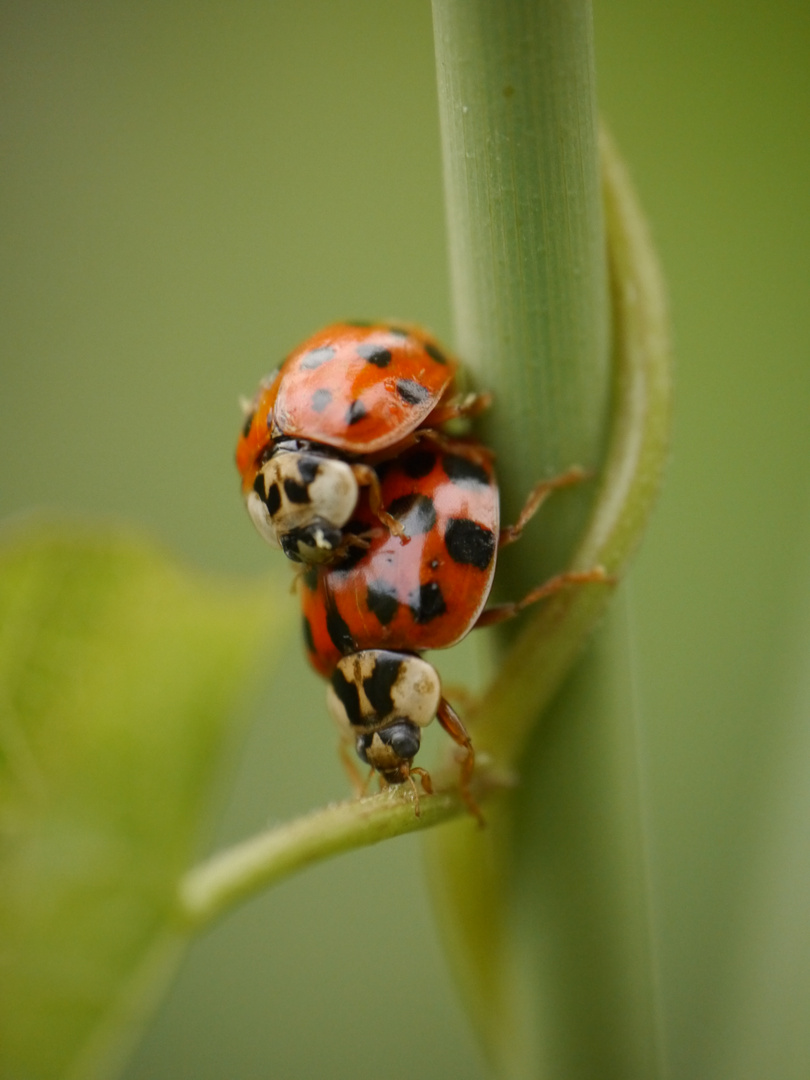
[(382, 699), (367, 617)]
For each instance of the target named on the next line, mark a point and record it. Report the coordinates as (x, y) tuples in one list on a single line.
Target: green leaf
[(120, 674)]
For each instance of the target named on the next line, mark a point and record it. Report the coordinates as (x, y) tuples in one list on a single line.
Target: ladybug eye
[(404, 739)]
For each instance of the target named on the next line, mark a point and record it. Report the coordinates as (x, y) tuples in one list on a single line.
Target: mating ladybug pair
[(346, 468)]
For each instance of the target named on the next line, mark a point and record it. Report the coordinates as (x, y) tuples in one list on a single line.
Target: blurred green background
[(190, 189)]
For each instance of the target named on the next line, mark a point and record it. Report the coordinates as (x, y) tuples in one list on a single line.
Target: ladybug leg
[(354, 540), (451, 722), (298, 574), (462, 408), (463, 696), (367, 477), (415, 791), (474, 451), (424, 776), (427, 784), (499, 613), (537, 496)]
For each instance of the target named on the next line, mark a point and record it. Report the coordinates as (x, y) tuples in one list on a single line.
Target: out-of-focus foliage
[(119, 676)]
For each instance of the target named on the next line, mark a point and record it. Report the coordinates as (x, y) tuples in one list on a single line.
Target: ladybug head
[(315, 543), (300, 501), (390, 751), (383, 699)]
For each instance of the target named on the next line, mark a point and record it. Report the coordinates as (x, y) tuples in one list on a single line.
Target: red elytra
[(427, 592), (360, 388)]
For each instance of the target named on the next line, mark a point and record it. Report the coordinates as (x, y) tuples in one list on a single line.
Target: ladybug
[(350, 396), (367, 616), (382, 699), (428, 593)]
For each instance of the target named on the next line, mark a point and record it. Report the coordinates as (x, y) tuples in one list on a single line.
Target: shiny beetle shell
[(423, 594), (359, 388)]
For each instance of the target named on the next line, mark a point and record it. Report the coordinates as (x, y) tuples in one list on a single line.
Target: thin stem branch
[(231, 876)]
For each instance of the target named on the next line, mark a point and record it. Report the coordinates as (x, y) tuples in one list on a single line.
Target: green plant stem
[(527, 250), (530, 264), (470, 872), (548, 645), (233, 875)]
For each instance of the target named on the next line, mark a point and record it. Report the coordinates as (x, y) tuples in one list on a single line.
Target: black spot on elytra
[(435, 353), (295, 492), (315, 357), (306, 630), (412, 392), (418, 463), (273, 499), (382, 601), (469, 543), (375, 354), (415, 513), (427, 603), (308, 468), (355, 412), (320, 399), (348, 695), (247, 423), (339, 632), (463, 471), (379, 683)]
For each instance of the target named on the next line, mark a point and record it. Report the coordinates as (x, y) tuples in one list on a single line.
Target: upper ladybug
[(351, 394)]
